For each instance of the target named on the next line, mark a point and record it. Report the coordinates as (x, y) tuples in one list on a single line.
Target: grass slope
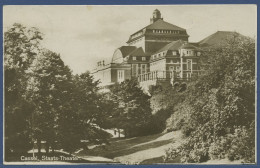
[(136, 150)]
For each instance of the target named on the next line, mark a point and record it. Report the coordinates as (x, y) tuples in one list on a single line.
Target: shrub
[(187, 129)]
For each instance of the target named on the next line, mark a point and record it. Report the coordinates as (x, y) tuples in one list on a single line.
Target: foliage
[(90, 109), (21, 45), (235, 146), (49, 89), (43, 100), (219, 107), (133, 112), (165, 98)]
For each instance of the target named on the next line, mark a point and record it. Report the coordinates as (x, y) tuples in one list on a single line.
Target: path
[(134, 150), (150, 153)]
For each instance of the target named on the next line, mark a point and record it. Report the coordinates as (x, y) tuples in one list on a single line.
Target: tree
[(21, 45), (90, 109), (133, 112), (43, 100), (49, 89), (219, 107)]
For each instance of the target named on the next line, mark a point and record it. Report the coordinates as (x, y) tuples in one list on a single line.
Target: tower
[(156, 16)]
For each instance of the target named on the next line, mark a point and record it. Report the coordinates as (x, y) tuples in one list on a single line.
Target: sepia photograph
[(129, 84)]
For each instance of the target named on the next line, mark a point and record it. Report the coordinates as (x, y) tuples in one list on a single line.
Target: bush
[(157, 123), (187, 129)]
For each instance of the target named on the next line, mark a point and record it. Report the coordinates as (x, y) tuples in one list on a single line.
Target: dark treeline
[(44, 101)]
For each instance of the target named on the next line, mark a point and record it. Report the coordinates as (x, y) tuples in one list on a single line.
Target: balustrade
[(164, 75)]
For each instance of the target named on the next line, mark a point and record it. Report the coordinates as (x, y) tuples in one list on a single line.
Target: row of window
[(159, 55), (143, 69), (167, 31), (174, 53), (190, 53), (143, 58), (157, 31), (189, 66), (136, 69)]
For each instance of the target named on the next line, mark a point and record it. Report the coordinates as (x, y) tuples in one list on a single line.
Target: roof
[(188, 46), (126, 50), (196, 44), (160, 24), (175, 45), (218, 38), (138, 52)]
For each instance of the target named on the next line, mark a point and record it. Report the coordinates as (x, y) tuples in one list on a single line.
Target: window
[(189, 64), (135, 70), (143, 68), (134, 58), (143, 58), (198, 53), (174, 53), (177, 68), (120, 75), (171, 68), (164, 53), (178, 72)]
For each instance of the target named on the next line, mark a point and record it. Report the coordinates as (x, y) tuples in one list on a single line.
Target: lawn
[(137, 150)]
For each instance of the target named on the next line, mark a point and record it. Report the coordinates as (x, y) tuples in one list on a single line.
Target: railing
[(166, 75), (155, 75)]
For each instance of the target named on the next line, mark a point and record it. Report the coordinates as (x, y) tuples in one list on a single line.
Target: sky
[(84, 35)]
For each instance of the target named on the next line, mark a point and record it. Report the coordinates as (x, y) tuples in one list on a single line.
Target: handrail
[(162, 75)]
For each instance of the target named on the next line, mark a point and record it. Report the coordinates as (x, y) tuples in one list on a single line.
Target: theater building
[(156, 54)]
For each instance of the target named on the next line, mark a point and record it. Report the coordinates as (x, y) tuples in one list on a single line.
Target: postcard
[(129, 84)]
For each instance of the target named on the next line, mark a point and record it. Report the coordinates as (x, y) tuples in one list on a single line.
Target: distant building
[(158, 54)]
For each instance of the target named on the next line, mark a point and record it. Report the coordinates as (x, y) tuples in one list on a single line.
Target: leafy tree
[(21, 45), (43, 100), (49, 89), (67, 108), (90, 109), (133, 112)]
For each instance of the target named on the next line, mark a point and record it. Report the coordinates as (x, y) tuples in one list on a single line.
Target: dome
[(121, 53)]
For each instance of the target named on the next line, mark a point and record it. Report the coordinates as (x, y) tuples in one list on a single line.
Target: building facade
[(156, 54)]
